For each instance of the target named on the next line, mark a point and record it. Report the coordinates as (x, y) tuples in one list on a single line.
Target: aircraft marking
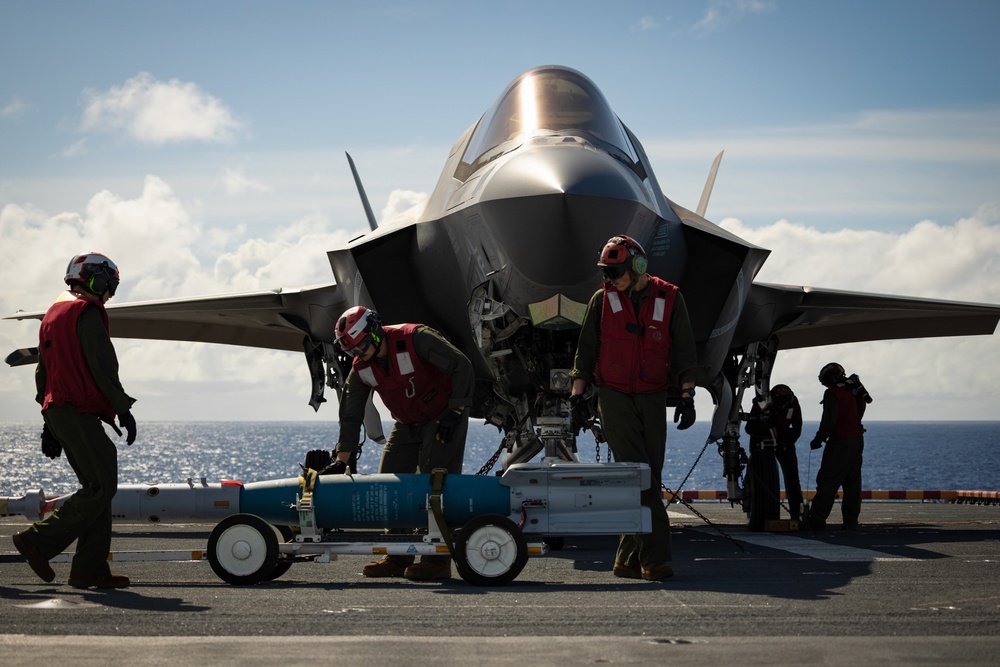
[(818, 549)]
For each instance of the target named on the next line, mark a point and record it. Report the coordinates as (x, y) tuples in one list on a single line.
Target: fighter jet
[(502, 259)]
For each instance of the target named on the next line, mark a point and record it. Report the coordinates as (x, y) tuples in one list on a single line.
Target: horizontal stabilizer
[(22, 357)]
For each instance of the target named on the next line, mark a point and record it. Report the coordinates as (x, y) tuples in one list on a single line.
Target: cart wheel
[(243, 549), (490, 550)]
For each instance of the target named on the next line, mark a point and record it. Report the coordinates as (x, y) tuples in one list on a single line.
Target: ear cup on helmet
[(99, 282), (639, 264)]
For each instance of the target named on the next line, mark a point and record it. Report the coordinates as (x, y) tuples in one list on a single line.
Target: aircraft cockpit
[(546, 101)]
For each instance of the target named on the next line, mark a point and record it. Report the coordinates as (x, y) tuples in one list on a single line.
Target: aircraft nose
[(564, 200), (568, 167)]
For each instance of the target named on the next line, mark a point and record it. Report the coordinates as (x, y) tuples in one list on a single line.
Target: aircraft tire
[(490, 550), (283, 564), (243, 550), (763, 488)]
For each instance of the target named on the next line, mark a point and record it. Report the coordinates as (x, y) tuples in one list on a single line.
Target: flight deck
[(919, 583)]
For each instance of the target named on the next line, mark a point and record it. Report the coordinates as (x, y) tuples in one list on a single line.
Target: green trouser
[(413, 448), (840, 467), (86, 515), (636, 429)]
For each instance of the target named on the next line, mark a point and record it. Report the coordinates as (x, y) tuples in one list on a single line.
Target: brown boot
[(429, 570), (387, 567), (98, 580), (38, 562), (657, 571), (627, 571)]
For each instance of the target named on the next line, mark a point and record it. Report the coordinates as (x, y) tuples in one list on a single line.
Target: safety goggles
[(614, 271), (360, 349)]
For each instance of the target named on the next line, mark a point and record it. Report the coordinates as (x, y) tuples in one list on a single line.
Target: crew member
[(78, 388), (844, 403), (427, 385), (635, 336), (780, 421)]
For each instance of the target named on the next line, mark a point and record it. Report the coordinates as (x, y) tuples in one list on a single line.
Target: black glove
[(127, 422), (447, 425), (338, 467), (316, 459), (50, 446), (816, 443), (685, 413), (580, 414)]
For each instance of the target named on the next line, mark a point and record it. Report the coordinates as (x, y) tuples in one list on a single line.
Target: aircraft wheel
[(243, 549), (763, 488), (287, 535), (490, 550), (555, 542)]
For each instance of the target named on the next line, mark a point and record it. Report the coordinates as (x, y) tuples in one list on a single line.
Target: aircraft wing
[(810, 317), (275, 319)]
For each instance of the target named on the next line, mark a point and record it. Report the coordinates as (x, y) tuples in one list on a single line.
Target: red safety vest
[(414, 391), (635, 352), (848, 424), (785, 426), (68, 377)]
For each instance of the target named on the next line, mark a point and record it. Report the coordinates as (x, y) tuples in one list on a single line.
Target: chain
[(676, 495), (488, 466)]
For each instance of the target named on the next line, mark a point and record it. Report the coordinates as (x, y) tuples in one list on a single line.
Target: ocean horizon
[(920, 455)]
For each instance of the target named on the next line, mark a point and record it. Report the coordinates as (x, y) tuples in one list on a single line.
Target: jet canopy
[(547, 100)]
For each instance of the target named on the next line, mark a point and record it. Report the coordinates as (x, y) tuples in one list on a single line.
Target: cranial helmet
[(830, 374), (781, 394), (95, 272), (357, 328), (621, 254)]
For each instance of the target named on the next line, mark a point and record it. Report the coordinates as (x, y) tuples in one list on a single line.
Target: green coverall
[(635, 425)]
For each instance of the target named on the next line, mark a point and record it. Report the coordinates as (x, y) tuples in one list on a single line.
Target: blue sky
[(201, 145)]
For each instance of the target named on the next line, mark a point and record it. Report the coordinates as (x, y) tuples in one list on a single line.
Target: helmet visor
[(614, 271), (361, 348)]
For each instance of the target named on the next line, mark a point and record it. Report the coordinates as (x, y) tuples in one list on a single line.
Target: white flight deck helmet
[(95, 272)]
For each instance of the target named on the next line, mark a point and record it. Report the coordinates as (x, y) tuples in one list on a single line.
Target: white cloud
[(156, 112), (164, 251), (646, 23), (949, 378), (236, 182), (76, 149), (14, 109), (155, 239), (403, 201), (958, 262), (722, 12), (939, 136)]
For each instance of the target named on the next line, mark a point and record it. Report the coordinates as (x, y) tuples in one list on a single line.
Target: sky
[(201, 146)]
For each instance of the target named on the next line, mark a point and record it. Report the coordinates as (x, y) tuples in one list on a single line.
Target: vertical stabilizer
[(705, 194), (361, 191)]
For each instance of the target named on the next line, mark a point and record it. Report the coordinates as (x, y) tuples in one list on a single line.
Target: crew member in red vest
[(636, 343), (844, 403), (427, 384), (78, 388)]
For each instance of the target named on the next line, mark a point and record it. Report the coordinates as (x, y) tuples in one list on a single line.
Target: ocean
[(898, 455)]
